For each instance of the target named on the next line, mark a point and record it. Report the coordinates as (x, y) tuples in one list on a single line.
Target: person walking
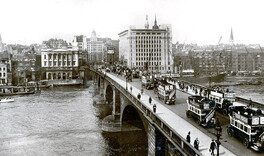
[(196, 144), (139, 96), (150, 100), (212, 147), (188, 137), (131, 88), (154, 108), (250, 103)]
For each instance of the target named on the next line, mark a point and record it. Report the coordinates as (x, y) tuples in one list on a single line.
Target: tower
[(146, 24), (231, 37), (155, 26)]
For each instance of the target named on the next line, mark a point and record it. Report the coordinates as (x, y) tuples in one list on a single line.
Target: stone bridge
[(127, 108)]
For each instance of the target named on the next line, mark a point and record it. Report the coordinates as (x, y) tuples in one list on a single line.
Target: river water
[(62, 121)]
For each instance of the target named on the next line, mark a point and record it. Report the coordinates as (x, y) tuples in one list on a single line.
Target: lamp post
[(218, 129), (126, 79)]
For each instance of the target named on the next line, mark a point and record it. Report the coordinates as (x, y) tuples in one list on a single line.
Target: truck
[(247, 124), (167, 93), (202, 110), (223, 99), (147, 82)]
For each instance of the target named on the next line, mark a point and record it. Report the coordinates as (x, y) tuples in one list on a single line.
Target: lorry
[(167, 93), (247, 124), (202, 110)]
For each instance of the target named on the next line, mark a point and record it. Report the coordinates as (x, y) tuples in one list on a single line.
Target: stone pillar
[(151, 140), (52, 59)]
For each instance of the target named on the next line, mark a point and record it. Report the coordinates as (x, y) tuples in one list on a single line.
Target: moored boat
[(5, 100)]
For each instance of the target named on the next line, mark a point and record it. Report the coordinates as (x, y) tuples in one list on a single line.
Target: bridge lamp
[(218, 129)]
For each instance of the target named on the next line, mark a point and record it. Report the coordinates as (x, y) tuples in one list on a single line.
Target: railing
[(176, 139), (238, 99)]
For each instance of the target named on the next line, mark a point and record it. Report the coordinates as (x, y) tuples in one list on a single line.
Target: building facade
[(147, 49), (95, 49), (60, 64)]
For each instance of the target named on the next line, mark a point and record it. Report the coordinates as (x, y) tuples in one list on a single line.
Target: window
[(245, 129), (4, 74), (44, 56), (3, 69)]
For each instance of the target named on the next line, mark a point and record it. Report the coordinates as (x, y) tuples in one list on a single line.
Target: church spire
[(231, 36), (147, 24), (155, 26)]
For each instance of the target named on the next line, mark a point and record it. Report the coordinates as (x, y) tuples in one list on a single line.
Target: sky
[(193, 21)]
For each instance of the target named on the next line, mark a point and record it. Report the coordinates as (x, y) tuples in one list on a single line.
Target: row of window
[(152, 58), (55, 56), (2, 69), (194, 109), (151, 63), (241, 126), (151, 68), (59, 63), (148, 33), (147, 54), (2, 74)]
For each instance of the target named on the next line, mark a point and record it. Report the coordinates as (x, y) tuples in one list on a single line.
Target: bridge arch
[(132, 116)]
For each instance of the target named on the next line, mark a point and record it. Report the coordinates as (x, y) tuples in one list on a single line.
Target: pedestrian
[(250, 103), (154, 108), (150, 100), (142, 90), (188, 137), (212, 147), (131, 88), (196, 144), (139, 96)]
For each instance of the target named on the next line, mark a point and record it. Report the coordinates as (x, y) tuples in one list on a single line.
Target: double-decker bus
[(247, 124), (223, 99), (201, 109), (167, 92)]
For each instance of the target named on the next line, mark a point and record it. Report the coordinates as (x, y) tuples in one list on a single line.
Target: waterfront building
[(147, 49), (60, 63), (5, 68), (3, 73)]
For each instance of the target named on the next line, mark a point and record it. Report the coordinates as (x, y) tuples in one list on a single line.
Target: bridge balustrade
[(167, 131)]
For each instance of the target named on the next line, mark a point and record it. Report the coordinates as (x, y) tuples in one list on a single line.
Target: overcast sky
[(193, 21)]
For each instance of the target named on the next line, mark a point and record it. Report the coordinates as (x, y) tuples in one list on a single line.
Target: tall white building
[(95, 48), (147, 48)]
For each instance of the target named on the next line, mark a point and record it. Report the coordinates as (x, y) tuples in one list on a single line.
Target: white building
[(95, 48), (3, 73), (60, 63), (147, 48)]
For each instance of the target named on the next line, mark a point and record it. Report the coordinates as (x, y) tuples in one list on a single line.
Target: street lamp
[(218, 129), (126, 79)]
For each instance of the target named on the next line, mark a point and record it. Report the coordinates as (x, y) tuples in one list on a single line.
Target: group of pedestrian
[(196, 143)]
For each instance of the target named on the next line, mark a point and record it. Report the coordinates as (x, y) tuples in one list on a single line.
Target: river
[(62, 121)]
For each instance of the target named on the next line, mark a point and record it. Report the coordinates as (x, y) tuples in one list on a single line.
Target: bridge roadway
[(183, 124), (171, 117)]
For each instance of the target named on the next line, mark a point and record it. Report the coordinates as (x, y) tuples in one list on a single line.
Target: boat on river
[(6, 100)]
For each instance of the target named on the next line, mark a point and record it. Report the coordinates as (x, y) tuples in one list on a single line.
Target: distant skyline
[(193, 21)]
